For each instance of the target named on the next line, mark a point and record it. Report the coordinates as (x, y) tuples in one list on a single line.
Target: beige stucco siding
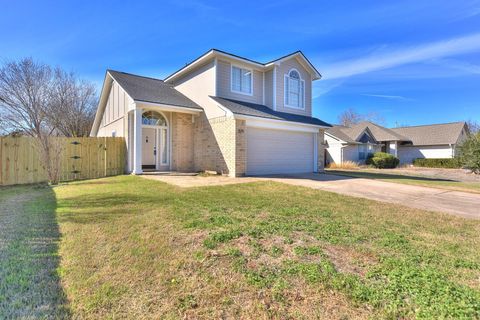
[(198, 85), (224, 83), (281, 71)]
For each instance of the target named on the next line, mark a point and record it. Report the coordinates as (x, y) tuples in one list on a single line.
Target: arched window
[(153, 118), (294, 90)]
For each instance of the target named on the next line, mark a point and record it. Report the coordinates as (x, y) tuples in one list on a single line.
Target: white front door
[(149, 147)]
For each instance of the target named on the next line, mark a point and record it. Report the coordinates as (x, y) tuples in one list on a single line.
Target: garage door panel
[(276, 151)]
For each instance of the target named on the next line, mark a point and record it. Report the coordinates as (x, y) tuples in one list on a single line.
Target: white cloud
[(413, 54), (384, 96), (458, 65)]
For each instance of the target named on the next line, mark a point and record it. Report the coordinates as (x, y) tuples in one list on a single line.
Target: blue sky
[(412, 62)]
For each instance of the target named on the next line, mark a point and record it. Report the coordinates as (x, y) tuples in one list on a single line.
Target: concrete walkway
[(454, 202)]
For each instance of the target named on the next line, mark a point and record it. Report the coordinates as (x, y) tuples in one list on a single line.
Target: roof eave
[(242, 116), (101, 102)]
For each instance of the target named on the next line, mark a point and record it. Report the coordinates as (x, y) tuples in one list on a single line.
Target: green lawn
[(30, 286), (473, 187), (137, 248)]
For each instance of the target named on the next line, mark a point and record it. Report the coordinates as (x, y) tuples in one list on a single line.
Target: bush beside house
[(470, 153), (382, 160), (450, 163)]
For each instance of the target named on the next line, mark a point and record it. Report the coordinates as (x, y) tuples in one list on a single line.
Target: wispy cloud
[(384, 96), (458, 65), (321, 88), (397, 57)]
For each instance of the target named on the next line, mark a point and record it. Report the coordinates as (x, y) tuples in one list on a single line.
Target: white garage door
[(277, 151)]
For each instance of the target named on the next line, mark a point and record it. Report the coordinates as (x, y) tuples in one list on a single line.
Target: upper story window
[(241, 80), (294, 90)]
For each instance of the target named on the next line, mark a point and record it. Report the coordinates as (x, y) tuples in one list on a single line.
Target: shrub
[(437, 163), (343, 165), (470, 153), (382, 160)]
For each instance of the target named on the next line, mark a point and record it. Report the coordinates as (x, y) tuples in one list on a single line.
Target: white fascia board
[(305, 63), (266, 123), (166, 107), (107, 82)]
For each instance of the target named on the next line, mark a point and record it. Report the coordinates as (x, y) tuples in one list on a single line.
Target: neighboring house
[(220, 112), (355, 143)]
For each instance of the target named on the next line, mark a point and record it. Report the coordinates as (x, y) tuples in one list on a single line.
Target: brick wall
[(211, 149), (182, 142), (321, 151), (240, 148)]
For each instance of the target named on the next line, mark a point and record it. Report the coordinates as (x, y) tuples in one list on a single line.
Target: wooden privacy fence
[(80, 158)]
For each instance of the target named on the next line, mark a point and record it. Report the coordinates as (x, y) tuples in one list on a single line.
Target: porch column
[(137, 141)]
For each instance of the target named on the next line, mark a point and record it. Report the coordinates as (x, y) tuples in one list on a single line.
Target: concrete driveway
[(454, 202)]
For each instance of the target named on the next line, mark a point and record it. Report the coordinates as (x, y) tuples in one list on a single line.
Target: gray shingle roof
[(337, 131), (151, 90), (434, 134), (258, 110), (353, 133), (379, 133)]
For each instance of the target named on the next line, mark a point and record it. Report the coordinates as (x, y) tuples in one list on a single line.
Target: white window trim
[(285, 78), (231, 80)]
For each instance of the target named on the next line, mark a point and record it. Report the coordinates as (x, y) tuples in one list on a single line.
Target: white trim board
[(278, 124), (167, 107)]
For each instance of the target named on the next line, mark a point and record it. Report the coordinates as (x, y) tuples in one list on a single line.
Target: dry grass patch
[(343, 165)]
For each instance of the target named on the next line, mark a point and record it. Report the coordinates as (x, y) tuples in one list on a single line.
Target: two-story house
[(220, 112)]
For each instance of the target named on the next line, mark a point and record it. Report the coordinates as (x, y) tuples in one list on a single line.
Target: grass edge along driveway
[(472, 187), (133, 248)]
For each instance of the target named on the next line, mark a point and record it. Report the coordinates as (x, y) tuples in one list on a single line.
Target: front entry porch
[(160, 140)]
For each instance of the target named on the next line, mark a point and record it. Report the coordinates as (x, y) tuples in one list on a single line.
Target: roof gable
[(355, 133), (140, 89), (145, 89), (213, 53)]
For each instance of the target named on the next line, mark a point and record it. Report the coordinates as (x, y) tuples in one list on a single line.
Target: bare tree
[(72, 105), (350, 117), (473, 126), (25, 89), (24, 96), (41, 102)]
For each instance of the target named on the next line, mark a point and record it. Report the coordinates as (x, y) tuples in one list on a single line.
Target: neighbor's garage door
[(277, 151)]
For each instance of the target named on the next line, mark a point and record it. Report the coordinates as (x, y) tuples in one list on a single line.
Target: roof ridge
[(136, 75), (428, 125)]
